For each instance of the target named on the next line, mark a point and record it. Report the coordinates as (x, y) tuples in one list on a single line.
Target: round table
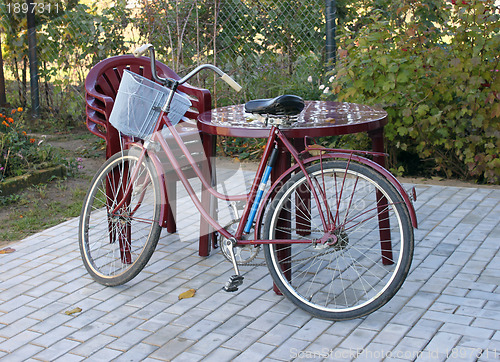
[(318, 119)]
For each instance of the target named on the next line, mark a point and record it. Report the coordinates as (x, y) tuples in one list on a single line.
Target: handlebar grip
[(226, 78), (141, 50)]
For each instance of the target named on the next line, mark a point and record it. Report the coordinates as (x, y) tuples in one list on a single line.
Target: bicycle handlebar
[(226, 78), (141, 50), (144, 48)]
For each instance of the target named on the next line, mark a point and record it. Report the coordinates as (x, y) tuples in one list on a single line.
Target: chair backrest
[(101, 87)]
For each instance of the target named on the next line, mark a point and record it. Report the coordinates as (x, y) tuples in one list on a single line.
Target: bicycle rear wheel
[(363, 257), (115, 246)]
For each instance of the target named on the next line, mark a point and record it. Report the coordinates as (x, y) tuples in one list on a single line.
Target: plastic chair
[(101, 87)]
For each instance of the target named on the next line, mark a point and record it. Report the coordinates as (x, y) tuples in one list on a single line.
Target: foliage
[(293, 28), (38, 208), (272, 46), (267, 77), (181, 31), (71, 38), (438, 83), (248, 149), (269, 46), (21, 152), (355, 14)]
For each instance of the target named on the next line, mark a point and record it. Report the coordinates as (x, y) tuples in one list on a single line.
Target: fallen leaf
[(187, 294), (315, 149), (7, 251), (73, 311)]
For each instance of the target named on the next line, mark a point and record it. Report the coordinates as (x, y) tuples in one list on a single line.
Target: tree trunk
[(3, 96), (24, 81)]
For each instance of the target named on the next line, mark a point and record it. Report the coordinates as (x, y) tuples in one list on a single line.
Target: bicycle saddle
[(286, 105)]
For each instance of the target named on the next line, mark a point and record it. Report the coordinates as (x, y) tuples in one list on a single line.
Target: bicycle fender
[(336, 155)]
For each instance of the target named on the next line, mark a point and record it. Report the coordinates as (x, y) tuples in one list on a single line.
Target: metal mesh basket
[(139, 102)]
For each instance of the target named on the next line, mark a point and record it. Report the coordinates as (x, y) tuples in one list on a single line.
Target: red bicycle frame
[(274, 135)]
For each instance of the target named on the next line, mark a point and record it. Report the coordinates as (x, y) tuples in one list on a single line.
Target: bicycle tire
[(115, 248), (350, 278)]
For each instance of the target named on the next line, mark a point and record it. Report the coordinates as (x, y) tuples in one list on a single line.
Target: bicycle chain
[(331, 250)]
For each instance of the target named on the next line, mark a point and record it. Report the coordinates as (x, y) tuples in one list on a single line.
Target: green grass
[(36, 209)]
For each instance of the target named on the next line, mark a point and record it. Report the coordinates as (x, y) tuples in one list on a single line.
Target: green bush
[(70, 40), (438, 83)]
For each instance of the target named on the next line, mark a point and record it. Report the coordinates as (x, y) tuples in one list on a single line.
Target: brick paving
[(448, 308)]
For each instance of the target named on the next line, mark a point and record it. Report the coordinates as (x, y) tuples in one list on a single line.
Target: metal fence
[(270, 46)]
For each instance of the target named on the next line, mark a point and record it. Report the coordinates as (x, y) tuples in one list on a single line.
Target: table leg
[(123, 235), (206, 232), (171, 207), (377, 137), (283, 250), (120, 233)]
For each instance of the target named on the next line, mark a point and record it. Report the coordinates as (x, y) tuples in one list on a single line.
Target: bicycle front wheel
[(115, 245), (359, 260)]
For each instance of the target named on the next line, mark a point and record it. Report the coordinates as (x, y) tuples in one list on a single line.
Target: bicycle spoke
[(113, 243), (341, 273)]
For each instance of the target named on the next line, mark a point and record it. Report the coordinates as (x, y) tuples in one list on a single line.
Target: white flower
[(322, 86), (310, 79), (332, 78), (327, 89)]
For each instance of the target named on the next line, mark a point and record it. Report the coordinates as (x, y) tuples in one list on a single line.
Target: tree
[(438, 82), (3, 96)]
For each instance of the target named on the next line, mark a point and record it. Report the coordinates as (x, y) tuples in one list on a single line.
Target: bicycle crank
[(244, 254), (235, 280)]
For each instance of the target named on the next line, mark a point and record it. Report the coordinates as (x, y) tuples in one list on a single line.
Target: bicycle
[(336, 228)]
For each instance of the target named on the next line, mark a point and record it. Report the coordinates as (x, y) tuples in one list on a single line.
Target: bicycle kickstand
[(234, 280)]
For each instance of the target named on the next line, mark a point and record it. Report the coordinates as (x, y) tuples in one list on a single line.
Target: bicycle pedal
[(233, 283)]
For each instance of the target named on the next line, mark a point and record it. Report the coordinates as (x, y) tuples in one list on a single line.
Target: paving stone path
[(448, 308)]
